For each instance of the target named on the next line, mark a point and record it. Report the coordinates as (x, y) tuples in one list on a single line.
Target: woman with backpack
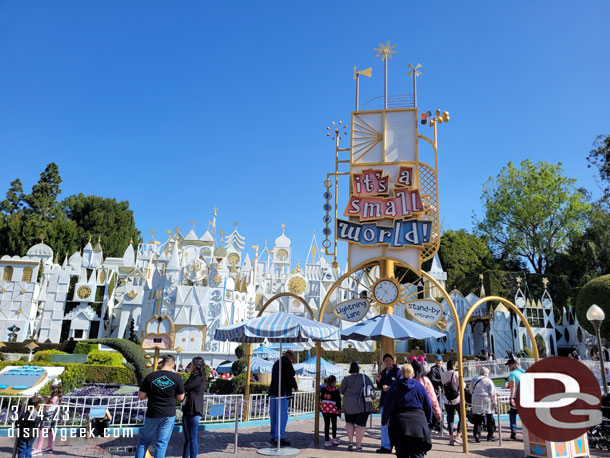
[(356, 389), (483, 403), (450, 380)]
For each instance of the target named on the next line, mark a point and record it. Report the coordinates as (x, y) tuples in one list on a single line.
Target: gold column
[(386, 270), (247, 390), (156, 360)]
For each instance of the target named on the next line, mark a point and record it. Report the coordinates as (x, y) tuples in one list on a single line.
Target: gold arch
[(249, 346), (326, 300), (463, 325)]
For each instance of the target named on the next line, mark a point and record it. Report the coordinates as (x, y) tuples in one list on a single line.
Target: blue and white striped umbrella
[(389, 326), (292, 346), (260, 366), (277, 327), (266, 352), (309, 368)]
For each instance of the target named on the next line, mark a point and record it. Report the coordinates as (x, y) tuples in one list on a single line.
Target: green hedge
[(105, 358), (84, 348), (131, 352), (109, 374), (45, 355)]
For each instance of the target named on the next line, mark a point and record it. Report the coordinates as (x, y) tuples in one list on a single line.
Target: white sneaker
[(36, 452), (328, 444)]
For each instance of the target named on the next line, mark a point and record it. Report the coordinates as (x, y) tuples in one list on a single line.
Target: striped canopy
[(266, 352), (260, 366), (292, 346), (309, 368), (277, 327), (389, 326)]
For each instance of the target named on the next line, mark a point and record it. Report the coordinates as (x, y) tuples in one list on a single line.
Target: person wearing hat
[(513, 379), (289, 383)]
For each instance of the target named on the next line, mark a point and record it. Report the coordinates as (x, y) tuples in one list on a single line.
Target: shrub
[(105, 358), (109, 374), (45, 355), (84, 348), (238, 366), (240, 350), (597, 291), (131, 352), (259, 388), (24, 359), (129, 366)]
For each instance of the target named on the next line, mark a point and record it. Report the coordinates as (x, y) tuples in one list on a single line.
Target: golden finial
[(518, 279), (215, 211), (481, 277), (283, 227), (265, 243), (99, 239), (385, 51), (545, 282), (338, 130), (192, 223), (89, 238), (131, 240), (235, 223), (42, 236), (177, 229)]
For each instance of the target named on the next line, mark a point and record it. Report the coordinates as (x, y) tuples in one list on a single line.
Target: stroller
[(599, 435)]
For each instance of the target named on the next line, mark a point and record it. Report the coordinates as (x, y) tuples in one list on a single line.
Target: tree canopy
[(531, 212), (64, 225), (599, 157), (597, 291)]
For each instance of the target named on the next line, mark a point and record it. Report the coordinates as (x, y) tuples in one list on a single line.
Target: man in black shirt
[(162, 388), (288, 384)]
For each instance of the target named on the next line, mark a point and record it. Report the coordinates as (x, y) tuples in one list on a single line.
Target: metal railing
[(497, 368), (302, 402)]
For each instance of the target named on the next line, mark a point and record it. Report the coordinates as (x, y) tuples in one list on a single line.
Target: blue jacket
[(387, 378), (406, 394)]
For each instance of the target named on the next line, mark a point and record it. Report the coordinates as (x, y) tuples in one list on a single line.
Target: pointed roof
[(76, 260), (129, 255), (88, 246), (207, 238), (174, 260), (247, 264), (282, 241), (235, 241), (191, 236), (97, 247)]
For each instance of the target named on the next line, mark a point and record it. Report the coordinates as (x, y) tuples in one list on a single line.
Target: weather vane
[(414, 73), (385, 51), (366, 72)]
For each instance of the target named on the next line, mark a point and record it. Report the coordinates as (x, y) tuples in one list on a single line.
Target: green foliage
[(45, 355), (259, 388), (464, 257), (597, 291), (238, 366), (542, 351), (531, 212), (66, 225), (105, 358), (84, 348), (109, 374), (131, 352), (133, 335), (240, 350), (599, 157)]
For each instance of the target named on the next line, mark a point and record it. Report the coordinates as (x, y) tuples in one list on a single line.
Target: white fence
[(497, 368), (129, 411)]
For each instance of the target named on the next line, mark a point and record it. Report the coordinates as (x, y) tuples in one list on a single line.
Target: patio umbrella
[(265, 352), (260, 366), (278, 327), (225, 368), (389, 326), (309, 368)]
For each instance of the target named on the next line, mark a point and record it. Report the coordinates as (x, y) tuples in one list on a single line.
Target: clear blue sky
[(182, 106)]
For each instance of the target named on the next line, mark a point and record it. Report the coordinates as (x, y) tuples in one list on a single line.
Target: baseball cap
[(438, 357)]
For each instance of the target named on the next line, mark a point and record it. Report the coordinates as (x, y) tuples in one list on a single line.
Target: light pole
[(596, 316)]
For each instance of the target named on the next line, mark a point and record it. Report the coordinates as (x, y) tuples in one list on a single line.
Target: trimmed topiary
[(597, 291), (132, 352)]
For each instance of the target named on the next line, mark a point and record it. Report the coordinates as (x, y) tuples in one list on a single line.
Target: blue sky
[(179, 107)]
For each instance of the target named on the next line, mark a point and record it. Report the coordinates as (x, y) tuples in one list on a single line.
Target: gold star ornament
[(385, 51)]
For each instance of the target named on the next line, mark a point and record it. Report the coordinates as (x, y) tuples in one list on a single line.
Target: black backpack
[(450, 392)]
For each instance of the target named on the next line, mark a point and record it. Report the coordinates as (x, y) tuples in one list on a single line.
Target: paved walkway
[(220, 443)]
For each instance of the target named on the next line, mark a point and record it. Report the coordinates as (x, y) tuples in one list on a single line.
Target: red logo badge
[(559, 399)]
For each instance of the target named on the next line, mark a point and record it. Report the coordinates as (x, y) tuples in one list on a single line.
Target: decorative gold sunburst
[(365, 137), (385, 51), (132, 294)]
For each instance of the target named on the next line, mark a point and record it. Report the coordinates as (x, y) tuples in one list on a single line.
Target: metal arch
[(463, 325), (277, 296), (326, 300), (249, 346)]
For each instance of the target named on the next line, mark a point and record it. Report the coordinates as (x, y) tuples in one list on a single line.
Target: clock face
[(297, 285), (233, 259), (281, 255), (83, 292), (385, 292)]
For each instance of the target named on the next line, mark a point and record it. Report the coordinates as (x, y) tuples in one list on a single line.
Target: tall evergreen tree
[(14, 198)]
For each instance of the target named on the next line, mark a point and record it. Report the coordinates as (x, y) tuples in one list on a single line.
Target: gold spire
[(283, 227)]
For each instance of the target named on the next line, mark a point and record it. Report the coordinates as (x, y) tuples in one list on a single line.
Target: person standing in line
[(408, 411), (27, 425), (331, 409), (483, 403), (50, 418), (513, 380), (289, 383), (451, 388), (192, 407), (435, 375), (162, 388), (385, 379), (419, 374), (355, 388)]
